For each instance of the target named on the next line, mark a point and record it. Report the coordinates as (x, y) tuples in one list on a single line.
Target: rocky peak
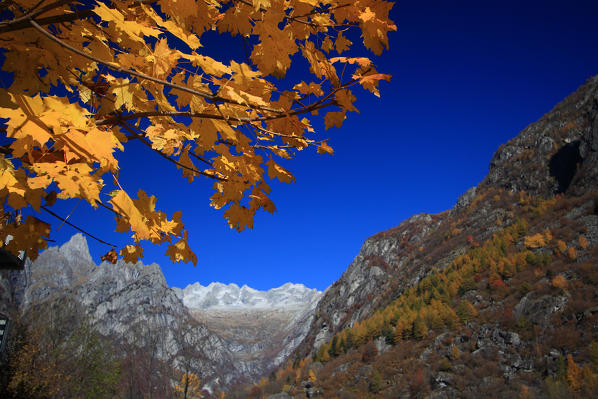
[(56, 268), (76, 248), (556, 154)]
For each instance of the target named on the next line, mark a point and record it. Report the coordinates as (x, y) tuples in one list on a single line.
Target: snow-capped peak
[(222, 296)]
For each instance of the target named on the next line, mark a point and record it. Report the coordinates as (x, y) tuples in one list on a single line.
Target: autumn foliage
[(89, 77)]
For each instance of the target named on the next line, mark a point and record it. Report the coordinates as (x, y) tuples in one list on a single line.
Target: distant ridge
[(232, 297)]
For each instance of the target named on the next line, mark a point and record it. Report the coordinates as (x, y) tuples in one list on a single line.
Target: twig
[(32, 14), (122, 118), (69, 215), (75, 227)]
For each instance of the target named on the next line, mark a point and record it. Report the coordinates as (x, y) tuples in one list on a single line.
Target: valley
[(494, 297)]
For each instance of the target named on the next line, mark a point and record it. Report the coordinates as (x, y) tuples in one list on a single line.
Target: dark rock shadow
[(564, 164)]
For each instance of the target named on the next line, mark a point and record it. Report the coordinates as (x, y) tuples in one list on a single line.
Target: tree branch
[(75, 227), (32, 14), (11, 26), (148, 144), (208, 96), (115, 120)]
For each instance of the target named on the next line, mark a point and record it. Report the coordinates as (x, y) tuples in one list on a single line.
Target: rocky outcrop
[(557, 154), (382, 261)]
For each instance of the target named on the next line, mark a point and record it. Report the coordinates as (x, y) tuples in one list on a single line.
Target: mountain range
[(119, 298), (494, 297)]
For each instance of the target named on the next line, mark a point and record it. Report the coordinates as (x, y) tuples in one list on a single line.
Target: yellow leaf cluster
[(131, 73), (535, 241)]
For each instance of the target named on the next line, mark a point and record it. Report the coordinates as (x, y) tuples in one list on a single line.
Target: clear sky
[(467, 77)]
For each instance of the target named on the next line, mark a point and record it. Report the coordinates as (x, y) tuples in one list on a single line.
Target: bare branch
[(12, 26), (148, 144), (75, 227), (121, 118)]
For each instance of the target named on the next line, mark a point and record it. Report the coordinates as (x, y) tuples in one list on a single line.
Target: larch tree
[(83, 78)]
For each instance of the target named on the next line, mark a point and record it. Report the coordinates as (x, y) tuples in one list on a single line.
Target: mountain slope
[(557, 154), (128, 302)]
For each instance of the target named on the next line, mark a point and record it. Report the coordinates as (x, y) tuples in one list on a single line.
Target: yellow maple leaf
[(164, 58), (124, 205), (239, 217), (327, 44), (312, 88), (341, 43), (185, 160), (236, 21), (375, 26), (275, 170), (334, 118), (345, 99), (28, 237), (75, 180), (181, 252), (132, 253), (208, 64), (324, 148)]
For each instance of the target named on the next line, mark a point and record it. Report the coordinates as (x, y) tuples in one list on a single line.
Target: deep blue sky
[(467, 77)]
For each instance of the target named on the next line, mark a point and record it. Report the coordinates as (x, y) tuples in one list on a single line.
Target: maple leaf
[(181, 252), (208, 64), (370, 80), (28, 237), (235, 21), (312, 88), (334, 118), (239, 217), (375, 26), (363, 62), (110, 256), (163, 58), (185, 160), (341, 44), (275, 170), (74, 180), (131, 253), (327, 44), (325, 149), (345, 99), (124, 205)]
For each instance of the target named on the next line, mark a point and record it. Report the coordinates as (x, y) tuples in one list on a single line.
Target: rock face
[(121, 300), (557, 154)]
